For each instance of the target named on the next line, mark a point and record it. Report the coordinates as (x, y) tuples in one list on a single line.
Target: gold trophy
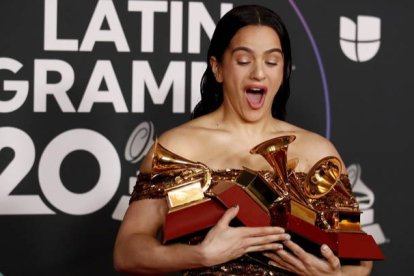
[(291, 196), (186, 183), (323, 184), (191, 179), (319, 208)]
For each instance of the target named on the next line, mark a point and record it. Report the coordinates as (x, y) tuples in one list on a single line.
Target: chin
[(253, 117)]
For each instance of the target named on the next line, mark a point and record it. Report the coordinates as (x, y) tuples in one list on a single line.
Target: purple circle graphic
[(320, 65)]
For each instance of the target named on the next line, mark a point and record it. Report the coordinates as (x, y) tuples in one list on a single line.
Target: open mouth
[(255, 96)]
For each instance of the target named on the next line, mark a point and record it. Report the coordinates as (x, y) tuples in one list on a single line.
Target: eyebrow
[(246, 49)]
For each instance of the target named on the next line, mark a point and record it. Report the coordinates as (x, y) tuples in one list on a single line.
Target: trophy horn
[(275, 153), (322, 177), (164, 160)]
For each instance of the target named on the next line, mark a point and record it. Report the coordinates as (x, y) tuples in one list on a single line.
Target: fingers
[(275, 260), (241, 240), (230, 214), (296, 249), (295, 260), (327, 253), (264, 247), (265, 238), (265, 243), (300, 261), (264, 231), (330, 256)]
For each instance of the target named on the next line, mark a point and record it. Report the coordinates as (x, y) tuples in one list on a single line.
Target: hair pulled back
[(227, 27)]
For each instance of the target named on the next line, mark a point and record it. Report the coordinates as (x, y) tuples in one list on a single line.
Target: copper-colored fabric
[(245, 265), (145, 188)]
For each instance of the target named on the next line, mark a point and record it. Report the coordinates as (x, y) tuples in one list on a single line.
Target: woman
[(244, 92)]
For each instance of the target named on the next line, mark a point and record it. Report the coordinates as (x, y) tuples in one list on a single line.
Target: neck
[(232, 122)]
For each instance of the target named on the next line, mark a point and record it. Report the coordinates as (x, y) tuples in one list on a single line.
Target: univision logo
[(361, 41)]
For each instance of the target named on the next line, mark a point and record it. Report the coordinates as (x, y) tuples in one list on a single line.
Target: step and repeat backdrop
[(86, 87)]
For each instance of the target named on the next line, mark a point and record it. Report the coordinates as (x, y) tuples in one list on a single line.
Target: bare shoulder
[(184, 140), (316, 144), (179, 139), (311, 147), (309, 143)]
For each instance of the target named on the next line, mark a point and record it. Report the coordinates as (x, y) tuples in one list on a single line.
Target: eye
[(271, 62), (243, 62)]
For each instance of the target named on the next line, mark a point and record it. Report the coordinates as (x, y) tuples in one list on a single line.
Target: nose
[(257, 72)]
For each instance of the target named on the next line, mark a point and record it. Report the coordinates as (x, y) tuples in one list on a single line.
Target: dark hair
[(227, 27)]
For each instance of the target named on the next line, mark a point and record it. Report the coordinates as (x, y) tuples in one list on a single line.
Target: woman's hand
[(303, 263), (224, 243)]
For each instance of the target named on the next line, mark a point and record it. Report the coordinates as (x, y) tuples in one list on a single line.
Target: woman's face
[(251, 71)]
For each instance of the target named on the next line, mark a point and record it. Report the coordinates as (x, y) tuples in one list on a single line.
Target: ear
[(217, 71)]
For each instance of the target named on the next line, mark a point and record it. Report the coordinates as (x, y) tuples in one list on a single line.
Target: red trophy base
[(250, 212), (345, 245), (192, 218), (205, 213)]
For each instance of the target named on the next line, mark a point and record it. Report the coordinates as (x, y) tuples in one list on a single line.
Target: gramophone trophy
[(317, 207), (185, 195)]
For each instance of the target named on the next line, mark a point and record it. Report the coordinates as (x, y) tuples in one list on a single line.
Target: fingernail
[(287, 237), (324, 247), (235, 206)]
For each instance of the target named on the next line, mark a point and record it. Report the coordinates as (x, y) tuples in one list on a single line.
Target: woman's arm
[(138, 251), (136, 248)]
